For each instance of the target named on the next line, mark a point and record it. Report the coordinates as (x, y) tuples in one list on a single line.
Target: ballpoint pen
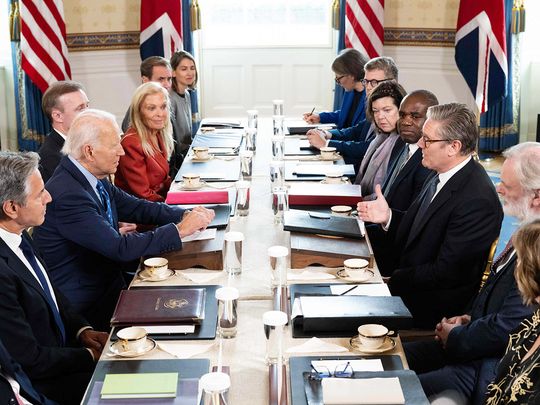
[(312, 111)]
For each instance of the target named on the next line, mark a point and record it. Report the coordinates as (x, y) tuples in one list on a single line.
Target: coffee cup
[(341, 210), (157, 266), (191, 180), (328, 152), (132, 339), (201, 152), (372, 335), (334, 177), (355, 267)]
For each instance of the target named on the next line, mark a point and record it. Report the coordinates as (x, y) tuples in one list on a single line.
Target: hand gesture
[(376, 211)]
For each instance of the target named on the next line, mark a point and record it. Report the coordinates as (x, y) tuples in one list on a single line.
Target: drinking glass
[(273, 332), (232, 256)]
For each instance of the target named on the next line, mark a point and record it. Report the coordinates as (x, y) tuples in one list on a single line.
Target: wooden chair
[(491, 256)]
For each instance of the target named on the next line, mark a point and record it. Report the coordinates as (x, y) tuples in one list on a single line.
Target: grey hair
[(458, 124), (85, 130), (526, 159), (15, 169), (384, 63)]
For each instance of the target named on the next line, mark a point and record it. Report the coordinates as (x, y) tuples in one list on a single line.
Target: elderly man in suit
[(61, 102), (441, 243), (79, 239), (468, 347), (56, 347)]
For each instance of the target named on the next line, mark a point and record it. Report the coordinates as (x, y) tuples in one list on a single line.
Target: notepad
[(140, 385)]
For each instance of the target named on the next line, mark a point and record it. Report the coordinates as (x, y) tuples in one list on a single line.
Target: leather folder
[(340, 316), (198, 197), (306, 222)]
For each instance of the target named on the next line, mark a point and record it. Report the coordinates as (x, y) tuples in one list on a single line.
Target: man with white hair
[(80, 240)]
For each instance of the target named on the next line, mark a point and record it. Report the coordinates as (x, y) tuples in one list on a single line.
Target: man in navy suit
[(56, 347), (80, 240), (406, 174), (467, 349), (61, 102), (440, 245), (352, 142)]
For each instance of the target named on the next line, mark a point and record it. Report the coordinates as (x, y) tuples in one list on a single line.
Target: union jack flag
[(161, 28), (481, 50), (364, 29)]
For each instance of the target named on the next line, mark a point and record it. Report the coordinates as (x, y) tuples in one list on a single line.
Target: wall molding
[(94, 41)]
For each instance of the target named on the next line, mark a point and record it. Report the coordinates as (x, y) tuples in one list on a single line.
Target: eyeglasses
[(373, 82), (344, 370), (338, 79), (428, 141)]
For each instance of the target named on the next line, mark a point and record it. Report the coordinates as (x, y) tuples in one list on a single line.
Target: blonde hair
[(143, 91), (526, 241)]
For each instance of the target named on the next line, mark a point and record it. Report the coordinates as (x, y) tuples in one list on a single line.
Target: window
[(266, 23)]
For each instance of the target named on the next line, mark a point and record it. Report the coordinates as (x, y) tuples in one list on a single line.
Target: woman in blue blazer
[(349, 70)]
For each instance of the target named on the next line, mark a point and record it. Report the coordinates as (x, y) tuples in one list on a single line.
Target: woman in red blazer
[(144, 171)]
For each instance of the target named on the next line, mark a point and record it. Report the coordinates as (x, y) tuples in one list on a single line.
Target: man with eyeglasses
[(353, 142), (438, 248)]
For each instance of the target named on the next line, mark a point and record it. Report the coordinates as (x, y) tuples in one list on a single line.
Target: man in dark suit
[(79, 239), (61, 103), (467, 349), (56, 347), (441, 243), (406, 174)]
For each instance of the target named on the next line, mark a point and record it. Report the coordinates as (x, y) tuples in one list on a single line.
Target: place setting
[(155, 269), (372, 339), (132, 342), (201, 154), (329, 153), (355, 271)]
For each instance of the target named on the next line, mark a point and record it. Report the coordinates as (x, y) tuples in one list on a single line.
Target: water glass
[(277, 107), (278, 124), (278, 146), (252, 121), (227, 298), (277, 173), (246, 163), (279, 262), (280, 203), (215, 388), (242, 198), (232, 255), (251, 139), (273, 332)]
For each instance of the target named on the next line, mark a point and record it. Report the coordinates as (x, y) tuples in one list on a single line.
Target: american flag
[(161, 27), (364, 26), (481, 50), (43, 42)]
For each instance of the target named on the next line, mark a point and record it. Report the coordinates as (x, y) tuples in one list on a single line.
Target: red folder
[(324, 194), (198, 197)]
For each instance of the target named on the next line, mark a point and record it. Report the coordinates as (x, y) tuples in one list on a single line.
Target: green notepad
[(142, 385)]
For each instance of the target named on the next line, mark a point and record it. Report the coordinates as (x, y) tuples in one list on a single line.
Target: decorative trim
[(130, 39), (94, 41), (419, 37)]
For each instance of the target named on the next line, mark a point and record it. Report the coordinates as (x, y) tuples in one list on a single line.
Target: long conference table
[(244, 354)]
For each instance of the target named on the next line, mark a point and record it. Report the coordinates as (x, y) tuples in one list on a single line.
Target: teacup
[(341, 210), (328, 152), (355, 267), (201, 152), (334, 177), (132, 339), (372, 335), (157, 266), (191, 180)]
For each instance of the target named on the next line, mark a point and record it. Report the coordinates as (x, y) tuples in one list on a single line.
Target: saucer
[(334, 158), (202, 183), (344, 180), (116, 349), (368, 275), (356, 345), (145, 275), (196, 159)]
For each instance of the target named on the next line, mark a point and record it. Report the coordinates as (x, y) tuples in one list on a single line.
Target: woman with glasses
[(383, 111), (518, 374), (184, 79), (349, 70), (144, 171)]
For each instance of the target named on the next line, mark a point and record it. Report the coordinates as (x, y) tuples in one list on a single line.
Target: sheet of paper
[(173, 329), (380, 290), (316, 345), (357, 365), (352, 391), (204, 235), (323, 169), (212, 176), (296, 308)]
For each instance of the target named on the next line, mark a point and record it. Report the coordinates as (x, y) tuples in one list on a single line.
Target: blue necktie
[(106, 201), (429, 192), (29, 254)]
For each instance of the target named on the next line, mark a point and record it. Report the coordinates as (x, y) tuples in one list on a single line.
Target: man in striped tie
[(56, 347), (467, 348)]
